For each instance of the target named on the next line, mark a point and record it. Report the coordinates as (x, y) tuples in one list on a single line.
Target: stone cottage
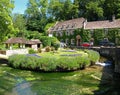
[(70, 26)]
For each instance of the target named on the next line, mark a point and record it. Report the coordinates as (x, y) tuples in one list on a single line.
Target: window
[(106, 31), (91, 32), (67, 32), (72, 41), (71, 32), (67, 41)]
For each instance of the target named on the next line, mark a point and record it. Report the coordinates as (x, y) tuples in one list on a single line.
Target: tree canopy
[(6, 25), (40, 14)]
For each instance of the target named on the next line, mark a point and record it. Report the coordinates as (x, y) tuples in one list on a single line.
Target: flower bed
[(62, 61)]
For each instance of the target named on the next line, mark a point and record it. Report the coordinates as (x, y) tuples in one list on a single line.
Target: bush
[(52, 49), (47, 49), (31, 51), (56, 45), (50, 62), (39, 50), (50, 41), (93, 55)]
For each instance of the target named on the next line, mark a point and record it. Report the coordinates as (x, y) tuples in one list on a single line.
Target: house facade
[(66, 31)]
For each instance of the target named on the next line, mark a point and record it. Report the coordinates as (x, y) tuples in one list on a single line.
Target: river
[(22, 82)]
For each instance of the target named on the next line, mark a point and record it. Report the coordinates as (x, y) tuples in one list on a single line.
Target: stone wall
[(17, 51), (117, 60)]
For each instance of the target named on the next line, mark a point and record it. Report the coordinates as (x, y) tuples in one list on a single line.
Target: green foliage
[(62, 10), (6, 26), (39, 50), (98, 35), (31, 51), (54, 62), (85, 35), (94, 56), (50, 41), (94, 11), (36, 15), (19, 25), (47, 49)]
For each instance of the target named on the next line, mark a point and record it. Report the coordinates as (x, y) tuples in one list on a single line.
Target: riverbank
[(83, 82)]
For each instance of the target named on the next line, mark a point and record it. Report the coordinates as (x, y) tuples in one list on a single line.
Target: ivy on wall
[(97, 34)]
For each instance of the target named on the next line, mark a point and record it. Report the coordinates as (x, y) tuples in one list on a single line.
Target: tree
[(62, 9), (90, 9), (36, 15), (19, 23), (94, 11), (112, 7), (6, 25)]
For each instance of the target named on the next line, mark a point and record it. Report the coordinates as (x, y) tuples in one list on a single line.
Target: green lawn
[(71, 83)]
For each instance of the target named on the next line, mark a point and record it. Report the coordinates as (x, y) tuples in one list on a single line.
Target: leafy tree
[(112, 7), (19, 24), (6, 25), (36, 15), (62, 9), (94, 11), (90, 9)]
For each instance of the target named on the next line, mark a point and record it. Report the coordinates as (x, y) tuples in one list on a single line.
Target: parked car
[(86, 44), (106, 43)]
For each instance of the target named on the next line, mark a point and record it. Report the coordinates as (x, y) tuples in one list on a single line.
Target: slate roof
[(103, 24), (69, 24), (34, 41), (81, 22), (16, 40), (21, 40)]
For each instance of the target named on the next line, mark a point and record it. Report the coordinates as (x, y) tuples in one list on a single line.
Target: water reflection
[(22, 87)]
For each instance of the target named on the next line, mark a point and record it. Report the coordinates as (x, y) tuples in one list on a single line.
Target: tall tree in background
[(94, 11), (19, 23), (6, 25), (36, 15), (112, 7), (90, 9), (62, 9)]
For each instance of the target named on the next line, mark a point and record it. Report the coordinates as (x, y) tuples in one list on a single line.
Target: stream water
[(22, 82)]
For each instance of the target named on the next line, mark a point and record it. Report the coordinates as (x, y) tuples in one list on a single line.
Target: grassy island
[(61, 60)]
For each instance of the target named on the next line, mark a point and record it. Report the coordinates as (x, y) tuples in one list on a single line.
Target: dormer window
[(73, 25), (67, 32), (67, 26)]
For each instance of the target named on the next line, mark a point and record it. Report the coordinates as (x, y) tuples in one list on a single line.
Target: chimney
[(84, 23)]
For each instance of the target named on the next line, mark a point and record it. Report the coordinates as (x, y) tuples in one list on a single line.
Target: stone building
[(22, 43), (70, 26)]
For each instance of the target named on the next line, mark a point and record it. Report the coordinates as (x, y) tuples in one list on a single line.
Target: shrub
[(39, 50), (93, 56), (50, 62), (52, 49), (56, 45), (50, 41), (47, 49), (31, 51)]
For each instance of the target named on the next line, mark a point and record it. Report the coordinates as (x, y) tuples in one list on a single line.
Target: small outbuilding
[(16, 40), (34, 44), (23, 43)]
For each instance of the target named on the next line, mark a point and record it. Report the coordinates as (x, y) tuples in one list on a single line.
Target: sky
[(20, 6)]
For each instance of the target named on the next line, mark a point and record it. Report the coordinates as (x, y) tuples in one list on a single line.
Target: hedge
[(53, 62)]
